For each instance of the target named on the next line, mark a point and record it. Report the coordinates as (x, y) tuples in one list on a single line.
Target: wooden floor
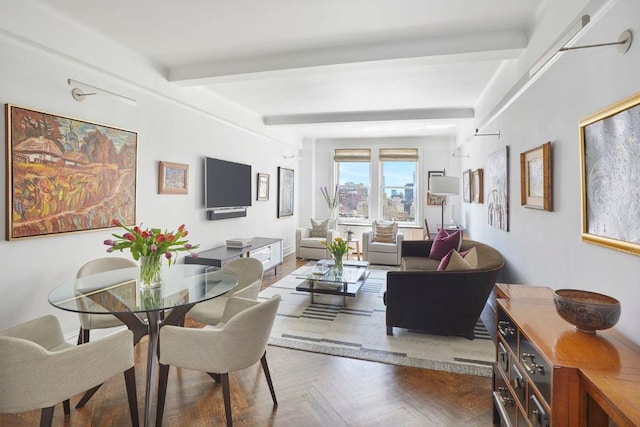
[(312, 390)]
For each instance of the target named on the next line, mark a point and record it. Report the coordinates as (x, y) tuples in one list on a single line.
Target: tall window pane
[(398, 191), (353, 190)]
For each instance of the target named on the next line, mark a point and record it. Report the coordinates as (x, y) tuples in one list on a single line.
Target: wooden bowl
[(587, 311)]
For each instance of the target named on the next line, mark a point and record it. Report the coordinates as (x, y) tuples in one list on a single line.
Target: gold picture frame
[(173, 178), (477, 186), (535, 178), (610, 176)]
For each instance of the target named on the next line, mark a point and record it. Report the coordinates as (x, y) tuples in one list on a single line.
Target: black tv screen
[(226, 184)]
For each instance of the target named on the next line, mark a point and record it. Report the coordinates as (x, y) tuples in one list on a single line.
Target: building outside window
[(398, 171), (353, 171)]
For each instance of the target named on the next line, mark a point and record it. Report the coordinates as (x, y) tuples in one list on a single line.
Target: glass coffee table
[(322, 279)]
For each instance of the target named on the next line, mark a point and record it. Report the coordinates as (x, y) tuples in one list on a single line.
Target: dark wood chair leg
[(132, 396), (67, 407), (267, 375), (226, 393), (216, 377), (87, 395), (46, 416), (163, 376)]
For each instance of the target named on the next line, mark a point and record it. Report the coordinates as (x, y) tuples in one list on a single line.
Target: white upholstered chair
[(308, 240), (250, 272), (99, 321), (238, 342), (40, 369), (383, 244)]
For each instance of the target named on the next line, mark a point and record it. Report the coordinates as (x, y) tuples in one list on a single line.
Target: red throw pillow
[(445, 260), (444, 243)]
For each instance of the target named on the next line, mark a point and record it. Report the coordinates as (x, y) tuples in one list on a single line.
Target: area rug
[(358, 330)]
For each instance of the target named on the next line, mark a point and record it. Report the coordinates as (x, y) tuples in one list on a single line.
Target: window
[(398, 170), (353, 175)]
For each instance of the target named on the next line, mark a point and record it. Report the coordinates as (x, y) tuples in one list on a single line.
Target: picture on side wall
[(263, 186), (497, 181), (285, 192), (610, 169), (67, 175), (477, 186), (466, 186), (173, 178), (433, 199), (535, 178)]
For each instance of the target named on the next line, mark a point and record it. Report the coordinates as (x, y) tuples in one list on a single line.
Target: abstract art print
[(67, 175), (497, 182), (466, 186), (263, 186), (610, 169), (535, 178), (477, 186), (285, 192)]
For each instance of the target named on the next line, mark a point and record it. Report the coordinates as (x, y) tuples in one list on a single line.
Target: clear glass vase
[(150, 271), (337, 265)]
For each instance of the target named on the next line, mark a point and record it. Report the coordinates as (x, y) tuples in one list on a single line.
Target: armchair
[(308, 239), (381, 252)]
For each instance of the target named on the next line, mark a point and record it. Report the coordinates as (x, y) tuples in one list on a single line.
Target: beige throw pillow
[(385, 232), (319, 228), (457, 262)]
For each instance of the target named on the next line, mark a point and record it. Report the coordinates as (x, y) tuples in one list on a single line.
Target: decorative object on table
[(610, 159), (349, 235), (432, 199), (338, 248), (444, 186), (263, 186), (149, 246), (477, 186), (587, 311), (285, 192), (332, 200), (535, 178), (498, 183), (466, 186), (66, 175), (173, 178)]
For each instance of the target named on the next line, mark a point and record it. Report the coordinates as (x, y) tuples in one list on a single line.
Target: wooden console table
[(549, 374), (267, 250)]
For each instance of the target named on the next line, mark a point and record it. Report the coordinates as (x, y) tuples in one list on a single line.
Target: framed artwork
[(535, 178), (263, 186), (173, 178), (432, 199), (285, 192), (67, 175), (466, 186), (498, 188), (610, 172), (477, 186)]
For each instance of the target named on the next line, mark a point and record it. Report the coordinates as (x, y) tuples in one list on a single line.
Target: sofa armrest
[(332, 234), (416, 247)]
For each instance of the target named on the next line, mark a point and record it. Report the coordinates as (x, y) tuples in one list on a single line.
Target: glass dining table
[(144, 311)]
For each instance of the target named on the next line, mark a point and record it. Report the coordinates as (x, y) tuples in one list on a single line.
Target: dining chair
[(249, 272), (99, 321), (40, 369), (238, 342)]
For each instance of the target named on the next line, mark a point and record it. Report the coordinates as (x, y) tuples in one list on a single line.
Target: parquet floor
[(312, 390)]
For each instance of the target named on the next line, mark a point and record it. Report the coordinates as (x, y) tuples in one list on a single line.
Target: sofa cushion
[(385, 232), (455, 260), (418, 263), (444, 243), (313, 242), (390, 248), (319, 228)]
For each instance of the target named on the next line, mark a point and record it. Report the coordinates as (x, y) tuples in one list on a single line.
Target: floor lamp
[(444, 186)]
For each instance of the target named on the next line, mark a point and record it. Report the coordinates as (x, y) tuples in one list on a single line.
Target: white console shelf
[(268, 250)]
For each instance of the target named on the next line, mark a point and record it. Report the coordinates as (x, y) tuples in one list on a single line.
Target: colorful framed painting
[(610, 172), (66, 175), (173, 178), (535, 178), (498, 188), (285, 192), (433, 199), (263, 186), (466, 186), (477, 186)]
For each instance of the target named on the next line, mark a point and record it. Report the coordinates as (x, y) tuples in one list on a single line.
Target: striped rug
[(358, 330)]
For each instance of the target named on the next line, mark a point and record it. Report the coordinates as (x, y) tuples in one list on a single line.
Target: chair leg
[(163, 377), (130, 381), (46, 416), (67, 407), (87, 395), (83, 336), (226, 393), (267, 375), (216, 377)]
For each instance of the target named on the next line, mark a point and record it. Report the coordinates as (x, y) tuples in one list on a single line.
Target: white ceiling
[(326, 68)]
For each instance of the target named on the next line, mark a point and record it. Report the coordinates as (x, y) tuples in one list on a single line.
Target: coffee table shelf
[(323, 280)]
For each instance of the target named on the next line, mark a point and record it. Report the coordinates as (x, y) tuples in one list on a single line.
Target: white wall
[(174, 124), (545, 248)]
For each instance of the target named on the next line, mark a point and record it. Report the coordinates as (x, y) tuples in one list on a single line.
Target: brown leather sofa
[(439, 302)]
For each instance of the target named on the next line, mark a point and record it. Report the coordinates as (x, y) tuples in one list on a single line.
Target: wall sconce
[(488, 134), (291, 156), (460, 155), (80, 90)]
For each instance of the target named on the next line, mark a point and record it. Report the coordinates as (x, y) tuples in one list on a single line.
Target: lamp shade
[(444, 185)]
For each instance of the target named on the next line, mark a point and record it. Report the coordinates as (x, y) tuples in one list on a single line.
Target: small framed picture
[(285, 192), (263, 186), (433, 199), (535, 178), (173, 178), (466, 186), (477, 186)]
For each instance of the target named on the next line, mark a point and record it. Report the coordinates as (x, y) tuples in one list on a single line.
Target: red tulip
[(168, 255)]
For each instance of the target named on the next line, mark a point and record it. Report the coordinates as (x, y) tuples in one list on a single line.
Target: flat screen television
[(226, 184)]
